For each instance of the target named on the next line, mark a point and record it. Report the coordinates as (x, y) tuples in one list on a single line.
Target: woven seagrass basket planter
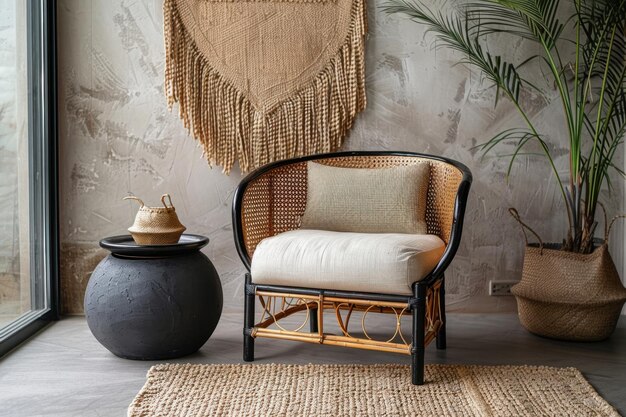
[(156, 225), (569, 296)]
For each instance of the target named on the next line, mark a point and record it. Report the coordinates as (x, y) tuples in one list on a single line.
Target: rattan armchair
[(272, 200)]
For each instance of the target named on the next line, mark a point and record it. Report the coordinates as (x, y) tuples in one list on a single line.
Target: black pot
[(153, 302)]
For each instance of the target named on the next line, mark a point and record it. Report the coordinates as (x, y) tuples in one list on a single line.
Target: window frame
[(43, 176)]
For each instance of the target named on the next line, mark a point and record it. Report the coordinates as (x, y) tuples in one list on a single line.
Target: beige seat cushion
[(365, 262), (377, 200)]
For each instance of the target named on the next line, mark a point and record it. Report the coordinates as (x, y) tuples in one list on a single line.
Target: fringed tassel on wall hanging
[(259, 81)]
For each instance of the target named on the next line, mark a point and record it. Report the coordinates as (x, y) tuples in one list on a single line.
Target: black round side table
[(153, 302)]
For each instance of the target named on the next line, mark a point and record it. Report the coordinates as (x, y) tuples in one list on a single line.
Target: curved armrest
[(238, 218), (460, 203), (267, 202)]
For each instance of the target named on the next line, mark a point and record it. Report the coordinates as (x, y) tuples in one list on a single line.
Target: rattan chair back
[(276, 199)]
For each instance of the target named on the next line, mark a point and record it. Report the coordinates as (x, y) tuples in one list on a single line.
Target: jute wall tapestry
[(262, 80)]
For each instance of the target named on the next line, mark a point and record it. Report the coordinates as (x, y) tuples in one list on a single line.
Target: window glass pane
[(15, 269)]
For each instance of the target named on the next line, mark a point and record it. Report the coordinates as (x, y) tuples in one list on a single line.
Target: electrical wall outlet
[(501, 287)]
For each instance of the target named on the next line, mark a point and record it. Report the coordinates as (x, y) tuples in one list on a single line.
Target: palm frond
[(456, 33), (536, 20), (591, 83)]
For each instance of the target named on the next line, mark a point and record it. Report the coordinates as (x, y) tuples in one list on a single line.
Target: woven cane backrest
[(274, 202)]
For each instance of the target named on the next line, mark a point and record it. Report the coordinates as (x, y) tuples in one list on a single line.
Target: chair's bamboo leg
[(417, 347), (313, 320), (441, 334), (248, 324)]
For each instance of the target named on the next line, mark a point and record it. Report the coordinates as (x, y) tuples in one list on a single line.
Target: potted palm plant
[(570, 290)]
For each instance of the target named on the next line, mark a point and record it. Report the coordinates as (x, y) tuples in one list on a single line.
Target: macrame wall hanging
[(263, 80)]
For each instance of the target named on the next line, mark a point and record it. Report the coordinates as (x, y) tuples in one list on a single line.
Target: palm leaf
[(591, 82), (536, 20)]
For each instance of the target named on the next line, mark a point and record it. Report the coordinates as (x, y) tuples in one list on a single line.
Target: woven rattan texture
[(274, 202), (365, 390)]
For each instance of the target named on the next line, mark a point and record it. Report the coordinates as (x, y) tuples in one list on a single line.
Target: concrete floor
[(63, 371)]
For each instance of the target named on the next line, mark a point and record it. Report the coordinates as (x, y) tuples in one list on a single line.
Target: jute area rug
[(365, 390)]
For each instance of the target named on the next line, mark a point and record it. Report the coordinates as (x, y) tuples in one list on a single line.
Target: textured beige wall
[(117, 136)]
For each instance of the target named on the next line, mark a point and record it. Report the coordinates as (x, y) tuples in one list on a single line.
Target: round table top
[(125, 245)]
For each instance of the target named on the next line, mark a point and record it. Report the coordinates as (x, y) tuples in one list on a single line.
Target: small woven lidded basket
[(156, 225), (567, 295)]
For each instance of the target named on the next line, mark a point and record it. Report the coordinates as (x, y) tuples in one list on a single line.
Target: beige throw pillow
[(377, 200)]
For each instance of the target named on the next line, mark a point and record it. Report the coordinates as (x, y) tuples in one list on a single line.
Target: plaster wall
[(117, 136)]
